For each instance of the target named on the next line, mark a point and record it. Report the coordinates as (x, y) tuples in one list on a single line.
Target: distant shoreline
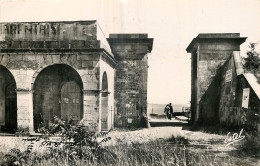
[(159, 108)]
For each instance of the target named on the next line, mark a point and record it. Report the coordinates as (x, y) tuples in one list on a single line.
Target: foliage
[(178, 140), (252, 61), (21, 131), (74, 141), (172, 151), (67, 142), (251, 144)]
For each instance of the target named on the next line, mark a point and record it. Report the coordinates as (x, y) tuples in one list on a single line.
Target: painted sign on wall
[(39, 31), (228, 75), (245, 99)]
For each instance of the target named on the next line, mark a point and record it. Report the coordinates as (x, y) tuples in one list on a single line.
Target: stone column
[(25, 110), (91, 111), (131, 52), (209, 51)]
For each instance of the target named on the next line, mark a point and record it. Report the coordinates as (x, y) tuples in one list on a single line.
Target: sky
[(172, 24)]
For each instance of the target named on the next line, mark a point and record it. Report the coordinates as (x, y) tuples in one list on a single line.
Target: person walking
[(171, 110), (168, 110)]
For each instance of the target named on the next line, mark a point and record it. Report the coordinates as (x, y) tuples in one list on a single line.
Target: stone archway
[(57, 92), (104, 103), (8, 101)]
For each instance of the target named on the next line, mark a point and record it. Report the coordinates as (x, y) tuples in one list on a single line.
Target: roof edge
[(252, 81), (199, 39)]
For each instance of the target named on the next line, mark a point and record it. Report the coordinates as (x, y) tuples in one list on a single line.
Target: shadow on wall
[(209, 103), (57, 92), (8, 101)]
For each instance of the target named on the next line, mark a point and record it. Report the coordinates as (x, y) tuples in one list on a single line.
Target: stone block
[(92, 102), (64, 44), (16, 44), (87, 64), (39, 59), (64, 58), (3, 44), (23, 116), (92, 44), (77, 65), (25, 44), (47, 59), (23, 123), (37, 44), (29, 57), (5, 59), (72, 59), (88, 57), (56, 58), (51, 44), (77, 44)]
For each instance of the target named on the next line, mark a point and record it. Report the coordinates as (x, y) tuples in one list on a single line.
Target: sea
[(159, 108)]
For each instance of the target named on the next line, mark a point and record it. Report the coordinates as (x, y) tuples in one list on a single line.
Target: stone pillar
[(23, 79), (209, 52), (91, 111), (25, 110), (130, 51)]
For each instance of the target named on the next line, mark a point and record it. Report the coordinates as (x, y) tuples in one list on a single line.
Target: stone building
[(218, 81), (239, 101), (65, 69)]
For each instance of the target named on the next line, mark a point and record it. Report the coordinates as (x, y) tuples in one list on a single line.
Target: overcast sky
[(172, 24)]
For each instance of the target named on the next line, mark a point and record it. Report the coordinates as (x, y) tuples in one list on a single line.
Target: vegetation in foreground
[(77, 146)]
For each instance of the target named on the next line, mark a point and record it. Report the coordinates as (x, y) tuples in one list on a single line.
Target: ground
[(197, 141)]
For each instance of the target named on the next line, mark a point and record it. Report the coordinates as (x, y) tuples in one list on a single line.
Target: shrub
[(251, 144), (65, 142), (252, 61), (75, 142)]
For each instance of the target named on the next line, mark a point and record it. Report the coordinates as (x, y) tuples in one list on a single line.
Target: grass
[(76, 145), (170, 151)]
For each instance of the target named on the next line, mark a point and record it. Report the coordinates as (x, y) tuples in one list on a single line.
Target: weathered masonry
[(131, 52), (222, 92), (208, 54), (63, 69)]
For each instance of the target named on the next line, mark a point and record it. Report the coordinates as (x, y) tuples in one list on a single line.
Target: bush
[(251, 144), (66, 142), (252, 61)]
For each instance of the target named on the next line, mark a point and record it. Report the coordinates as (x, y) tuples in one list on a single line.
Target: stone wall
[(87, 65), (28, 49), (222, 101), (231, 112), (110, 72)]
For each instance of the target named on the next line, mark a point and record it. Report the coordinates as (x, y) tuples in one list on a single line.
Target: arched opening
[(104, 103), (57, 92), (8, 101)]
